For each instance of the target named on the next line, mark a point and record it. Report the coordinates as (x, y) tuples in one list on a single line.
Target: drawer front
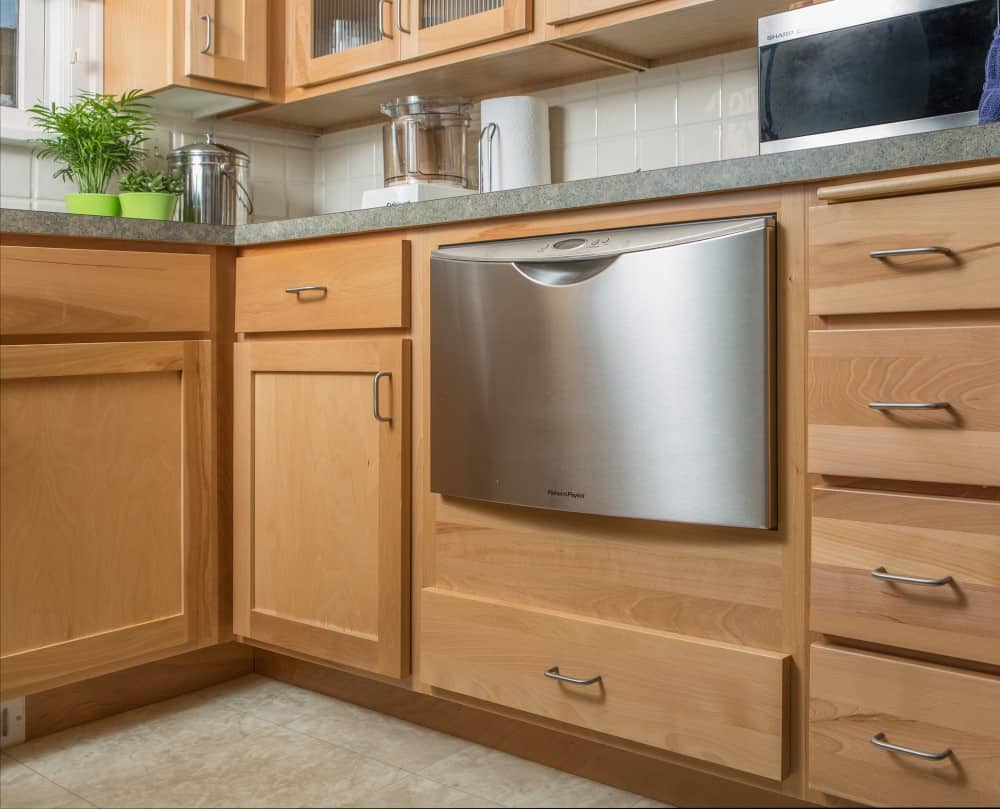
[(709, 700), (849, 370), (845, 279), (856, 695), (48, 290), (358, 284), (855, 533)]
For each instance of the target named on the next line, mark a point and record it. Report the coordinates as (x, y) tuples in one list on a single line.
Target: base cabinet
[(321, 527), (106, 483)]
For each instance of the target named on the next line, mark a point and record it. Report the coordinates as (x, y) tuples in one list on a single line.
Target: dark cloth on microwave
[(989, 106)]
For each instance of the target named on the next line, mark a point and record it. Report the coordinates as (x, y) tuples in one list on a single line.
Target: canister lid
[(208, 152)]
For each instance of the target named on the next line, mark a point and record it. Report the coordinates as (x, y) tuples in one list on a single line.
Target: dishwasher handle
[(563, 273)]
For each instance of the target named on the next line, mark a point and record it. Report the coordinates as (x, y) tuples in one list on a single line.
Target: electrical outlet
[(12, 722)]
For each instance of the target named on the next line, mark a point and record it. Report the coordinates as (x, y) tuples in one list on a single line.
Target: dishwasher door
[(625, 373)]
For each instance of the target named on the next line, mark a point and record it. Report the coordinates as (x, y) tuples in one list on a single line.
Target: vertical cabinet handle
[(208, 32), (553, 674), (381, 20), (377, 411), (399, 17), (879, 741)]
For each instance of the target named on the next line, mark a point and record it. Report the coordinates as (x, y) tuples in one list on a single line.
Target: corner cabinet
[(106, 482), (321, 523), (226, 40), (334, 39)]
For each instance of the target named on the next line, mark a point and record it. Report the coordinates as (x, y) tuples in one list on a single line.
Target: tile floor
[(259, 742)]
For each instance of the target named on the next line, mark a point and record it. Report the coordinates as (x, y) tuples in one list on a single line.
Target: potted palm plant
[(94, 138), (145, 195)]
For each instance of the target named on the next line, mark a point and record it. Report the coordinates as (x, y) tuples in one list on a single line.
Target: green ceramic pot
[(147, 205), (93, 204)]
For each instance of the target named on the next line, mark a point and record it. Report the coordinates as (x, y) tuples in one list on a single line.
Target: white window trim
[(60, 52)]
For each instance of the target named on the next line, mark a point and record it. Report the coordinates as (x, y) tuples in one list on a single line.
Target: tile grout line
[(46, 778)]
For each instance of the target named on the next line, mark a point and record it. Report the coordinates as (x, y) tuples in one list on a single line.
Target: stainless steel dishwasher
[(622, 372)]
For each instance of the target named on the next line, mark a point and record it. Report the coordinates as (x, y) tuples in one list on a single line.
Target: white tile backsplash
[(693, 112)]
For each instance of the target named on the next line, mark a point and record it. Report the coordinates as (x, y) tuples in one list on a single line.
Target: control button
[(606, 240), (594, 242), (569, 244)]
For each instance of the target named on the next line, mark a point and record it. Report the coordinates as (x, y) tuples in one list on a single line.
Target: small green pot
[(93, 204), (147, 205)]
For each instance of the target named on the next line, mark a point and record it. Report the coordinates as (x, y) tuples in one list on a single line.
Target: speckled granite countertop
[(808, 165)]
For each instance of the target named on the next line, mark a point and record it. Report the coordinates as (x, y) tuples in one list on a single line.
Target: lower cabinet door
[(884, 731), (108, 555), (321, 525)]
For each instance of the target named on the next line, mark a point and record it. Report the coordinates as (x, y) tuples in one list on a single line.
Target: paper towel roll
[(521, 144)]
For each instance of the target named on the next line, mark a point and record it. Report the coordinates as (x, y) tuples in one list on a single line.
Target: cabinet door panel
[(226, 40), (332, 39), (321, 499), (105, 514), (444, 25)]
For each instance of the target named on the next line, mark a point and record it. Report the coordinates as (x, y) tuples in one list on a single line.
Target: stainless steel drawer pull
[(879, 741), (909, 405), (208, 32), (297, 291), (909, 251), (553, 674), (884, 575), (378, 413)]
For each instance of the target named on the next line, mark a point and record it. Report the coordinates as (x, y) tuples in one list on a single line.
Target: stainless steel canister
[(216, 183), (426, 141)]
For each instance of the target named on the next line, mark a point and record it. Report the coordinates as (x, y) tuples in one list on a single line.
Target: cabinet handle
[(879, 741), (399, 17), (381, 20), (297, 291), (553, 674), (378, 413), (909, 251), (884, 575), (909, 405), (208, 32)]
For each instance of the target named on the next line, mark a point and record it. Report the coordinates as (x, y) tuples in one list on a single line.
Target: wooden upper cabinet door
[(563, 11), (321, 523), (333, 39), (226, 40), (436, 26), (107, 546)]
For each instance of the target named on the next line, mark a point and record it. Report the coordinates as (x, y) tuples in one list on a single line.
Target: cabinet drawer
[(845, 279), (856, 695), (849, 370), (709, 700), (50, 290), (357, 284), (855, 533)]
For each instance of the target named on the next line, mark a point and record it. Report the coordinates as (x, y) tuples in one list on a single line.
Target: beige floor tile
[(649, 803), (513, 781), (414, 791), (401, 744), (23, 788), (268, 699)]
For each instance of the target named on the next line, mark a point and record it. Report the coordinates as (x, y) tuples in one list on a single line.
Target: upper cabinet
[(218, 48), (333, 39), (562, 11), (226, 40)]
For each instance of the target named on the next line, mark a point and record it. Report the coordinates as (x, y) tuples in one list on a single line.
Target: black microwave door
[(913, 66)]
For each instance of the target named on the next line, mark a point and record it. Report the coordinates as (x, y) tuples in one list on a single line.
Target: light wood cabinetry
[(321, 524), (858, 533), (437, 26), (105, 473), (52, 290), (858, 699), (709, 700), (359, 283), (221, 46)]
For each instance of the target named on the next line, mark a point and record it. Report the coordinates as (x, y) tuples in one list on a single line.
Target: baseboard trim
[(74, 704), (645, 775)]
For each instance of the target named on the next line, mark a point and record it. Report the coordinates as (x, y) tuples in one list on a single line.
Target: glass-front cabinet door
[(444, 25), (331, 39)]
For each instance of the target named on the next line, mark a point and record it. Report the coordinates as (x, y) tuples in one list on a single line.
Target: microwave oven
[(850, 70)]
